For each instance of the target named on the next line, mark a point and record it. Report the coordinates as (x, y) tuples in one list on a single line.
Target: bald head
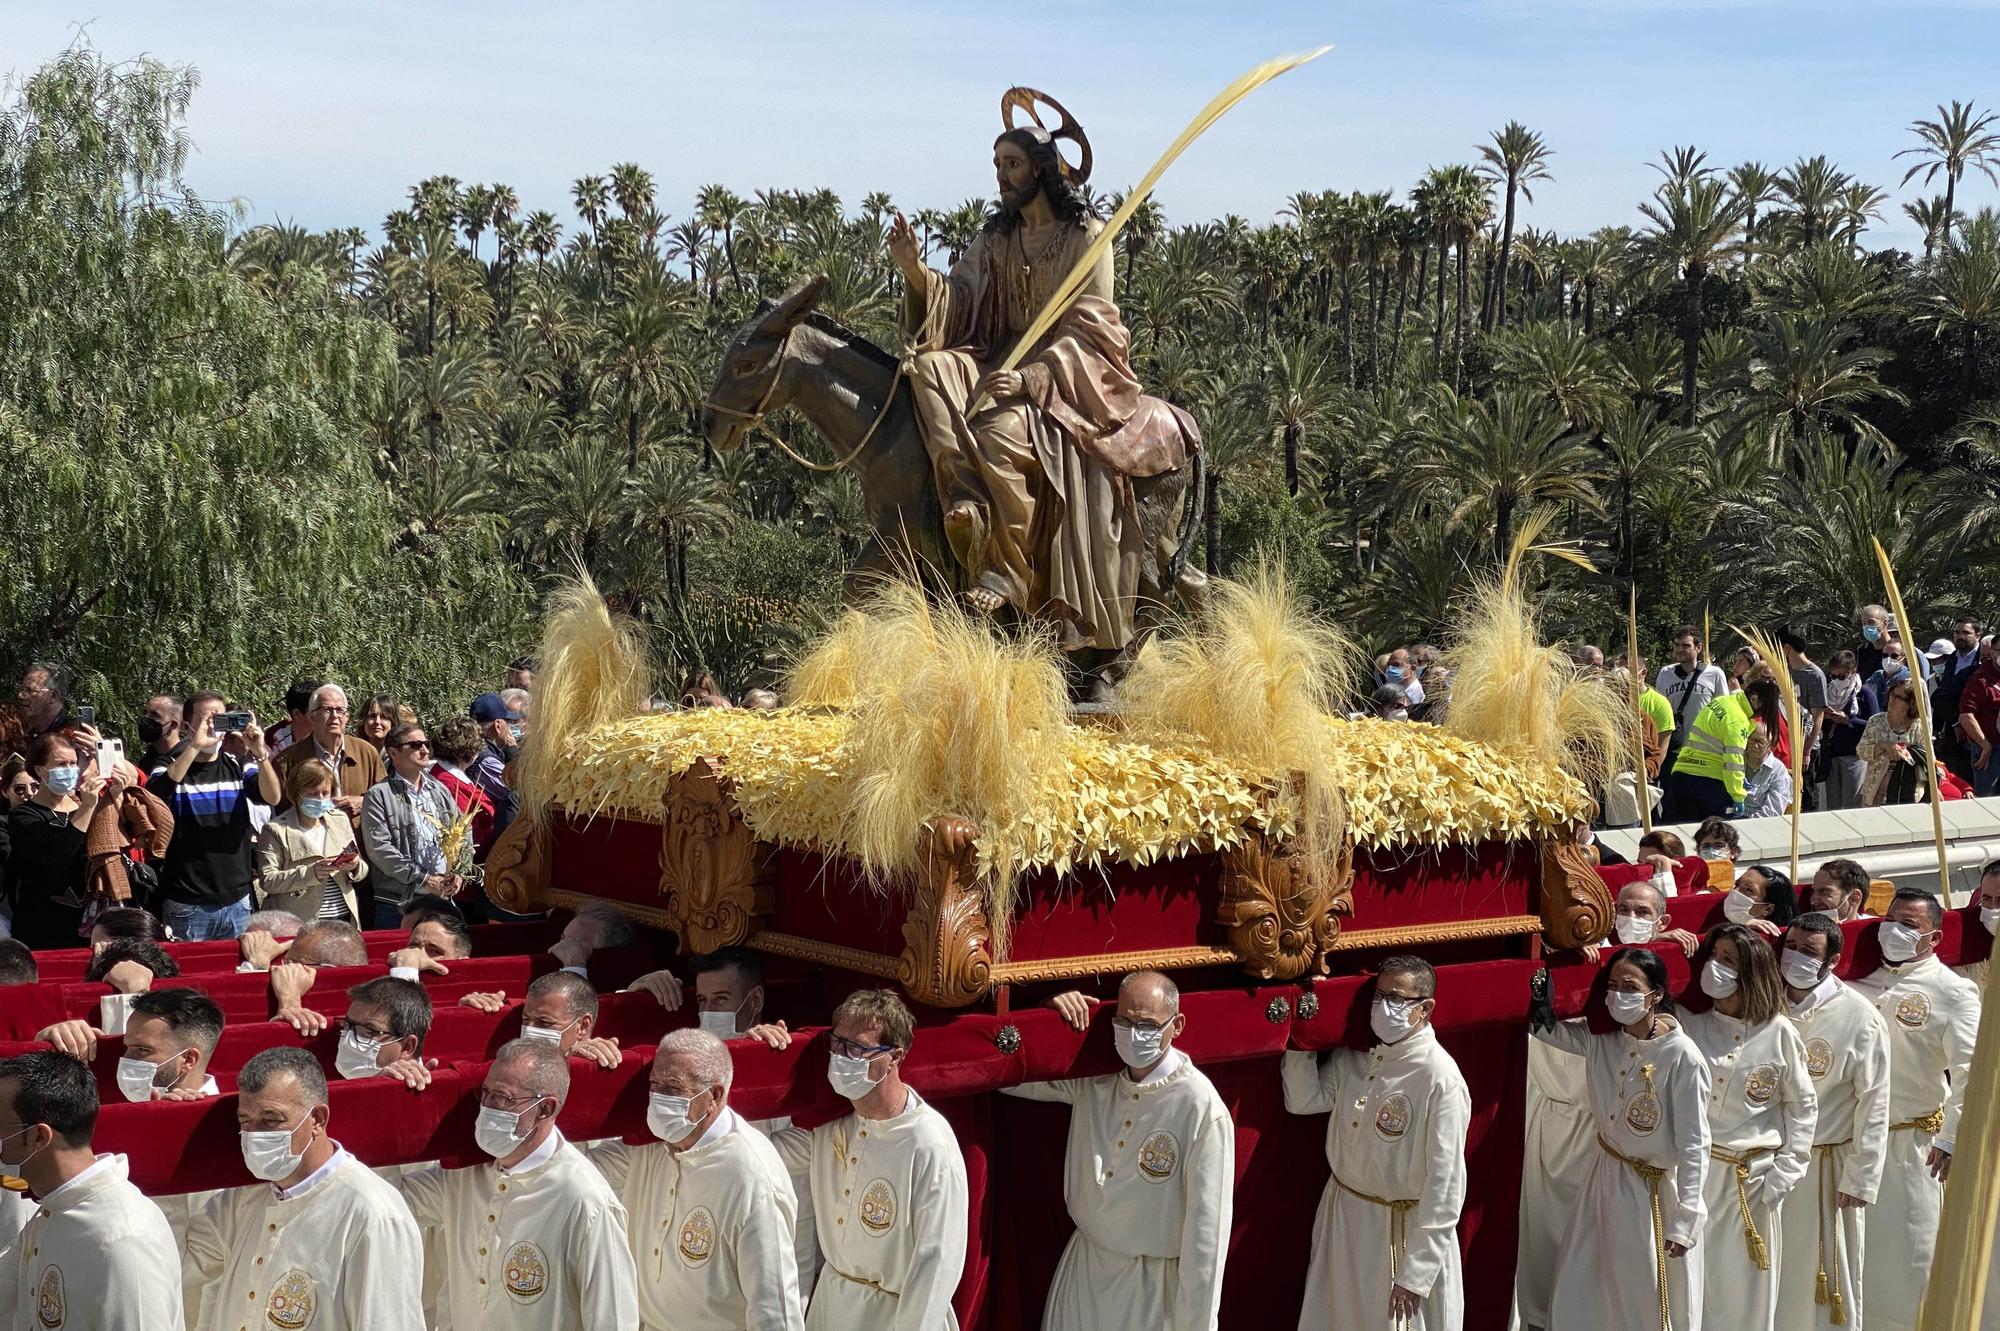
[(533, 1068), (1151, 989), (1642, 899)]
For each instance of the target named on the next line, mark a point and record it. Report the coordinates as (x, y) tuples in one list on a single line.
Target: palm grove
[(238, 454)]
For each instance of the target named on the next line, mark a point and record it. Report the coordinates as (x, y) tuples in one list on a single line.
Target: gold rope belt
[(862, 1281), (1827, 1203), (1930, 1124), (1398, 1229), (1760, 1252), (1652, 1174)]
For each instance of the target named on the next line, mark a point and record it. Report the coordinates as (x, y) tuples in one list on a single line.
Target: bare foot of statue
[(984, 600), (965, 531)]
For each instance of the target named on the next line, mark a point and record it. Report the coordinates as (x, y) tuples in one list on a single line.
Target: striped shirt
[(208, 862)]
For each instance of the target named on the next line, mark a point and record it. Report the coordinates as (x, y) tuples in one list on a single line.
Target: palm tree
[(1813, 186), (1298, 398), (1646, 455), (1496, 459), (1755, 185), (1462, 204), (1803, 378), (1517, 156), (1233, 435), (718, 208), (675, 501), (1370, 217), (1561, 364), (542, 235), (1933, 219), (1962, 136), (1681, 167), (1962, 292), (632, 352), (572, 497), (475, 214), (1691, 229)]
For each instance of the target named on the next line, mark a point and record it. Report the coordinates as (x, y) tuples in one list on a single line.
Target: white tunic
[(1847, 1056), (1761, 1111), (96, 1255), (1557, 1151), (339, 1252), (1148, 1176), (181, 1208), (1932, 1019), (1395, 1134), (526, 1249), (720, 1257), (889, 1201), (1648, 1102)]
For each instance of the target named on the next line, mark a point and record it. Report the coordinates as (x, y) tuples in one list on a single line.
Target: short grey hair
[(277, 923), (1170, 992), (1646, 885), (517, 700), (578, 995), (285, 1060), (708, 1058), (325, 689), (614, 926), (545, 1068), (334, 942)]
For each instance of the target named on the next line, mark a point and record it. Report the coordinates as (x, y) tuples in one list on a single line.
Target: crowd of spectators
[(334, 814)]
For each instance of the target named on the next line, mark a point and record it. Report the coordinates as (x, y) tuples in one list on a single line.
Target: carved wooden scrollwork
[(1278, 917), (519, 866), (715, 880), (947, 939), (1575, 904)]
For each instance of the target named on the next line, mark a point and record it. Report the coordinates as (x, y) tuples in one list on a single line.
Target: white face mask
[(1899, 942), (1139, 1046), (1392, 1019), (269, 1155), (1626, 1008), (546, 1034), (1636, 929), (1715, 852), (671, 1117), (1989, 917), (1800, 971), (1738, 906), (722, 1025), (138, 1079), (849, 1076), (498, 1131), (356, 1057), (1718, 980)]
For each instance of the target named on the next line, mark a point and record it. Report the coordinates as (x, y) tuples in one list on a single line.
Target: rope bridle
[(753, 419)]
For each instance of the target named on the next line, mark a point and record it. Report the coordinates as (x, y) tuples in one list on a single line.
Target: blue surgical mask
[(516, 732), (1871, 632), (1393, 673), (62, 780), (316, 806)]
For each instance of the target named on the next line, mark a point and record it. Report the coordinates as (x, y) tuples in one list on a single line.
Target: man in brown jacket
[(356, 764)]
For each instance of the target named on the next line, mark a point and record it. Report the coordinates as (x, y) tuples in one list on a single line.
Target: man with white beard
[(1149, 1175)]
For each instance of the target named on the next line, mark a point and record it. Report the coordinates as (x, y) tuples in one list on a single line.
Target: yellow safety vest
[(1714, 746)]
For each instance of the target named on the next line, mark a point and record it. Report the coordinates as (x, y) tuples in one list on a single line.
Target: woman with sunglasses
[(403, 822), (1894, 750)]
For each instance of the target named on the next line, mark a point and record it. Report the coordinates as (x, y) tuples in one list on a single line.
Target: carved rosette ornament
[(947, 939), (1575, 905), (1277, 916), (519, 866), (715, 880)]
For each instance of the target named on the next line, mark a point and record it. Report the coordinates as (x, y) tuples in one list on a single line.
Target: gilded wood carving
[(1277, 916), (948, 941), (519, 866), (715, 878), (1575, 903)]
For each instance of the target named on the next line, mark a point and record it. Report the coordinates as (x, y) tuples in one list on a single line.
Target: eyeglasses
[(1130, 1027), (363, 1030), (330, 711), (849, 1049), (513, 1104), (412, 744)]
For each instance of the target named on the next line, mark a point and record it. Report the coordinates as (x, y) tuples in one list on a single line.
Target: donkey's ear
[(795, 306)]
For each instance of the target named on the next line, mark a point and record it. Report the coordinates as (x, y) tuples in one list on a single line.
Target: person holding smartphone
[(307, 859), (205, 879), (47, 866)]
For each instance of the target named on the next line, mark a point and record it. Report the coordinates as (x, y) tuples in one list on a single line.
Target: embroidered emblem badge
[(49, 1310), (1819, 1057), (1761, 1084), (1159, 1157), (1394, 1119), (291, 1305), (1914, 1010), (1643, 1114), (526, 1272), (878, 1207), (697, 1236)]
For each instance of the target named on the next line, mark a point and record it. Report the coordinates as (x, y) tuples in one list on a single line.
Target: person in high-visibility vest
[(1708, 772)]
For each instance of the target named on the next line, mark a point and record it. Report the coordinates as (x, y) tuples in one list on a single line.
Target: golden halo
[(1030, 101)]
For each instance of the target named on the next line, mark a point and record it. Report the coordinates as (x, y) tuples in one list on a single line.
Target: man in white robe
[(96, 1255), (1822, 1250), (170, 1035), (321, 1242), (1385, 1241), (1932, 1017), (1149, 1176), (720, 1257), (888, 1184), (536, 1239)]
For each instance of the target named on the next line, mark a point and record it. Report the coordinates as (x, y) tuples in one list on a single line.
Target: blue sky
[(324, 114)]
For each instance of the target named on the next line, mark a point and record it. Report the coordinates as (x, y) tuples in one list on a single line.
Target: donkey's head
[(749, 382)]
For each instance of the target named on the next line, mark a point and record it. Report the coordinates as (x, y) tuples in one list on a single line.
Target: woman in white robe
[(1761, 1112), (1629, 1261)]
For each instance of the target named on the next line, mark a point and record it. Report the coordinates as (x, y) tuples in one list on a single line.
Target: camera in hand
[(229, 723)]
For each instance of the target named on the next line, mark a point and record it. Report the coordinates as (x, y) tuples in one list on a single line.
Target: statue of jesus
[(1036, 485)]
